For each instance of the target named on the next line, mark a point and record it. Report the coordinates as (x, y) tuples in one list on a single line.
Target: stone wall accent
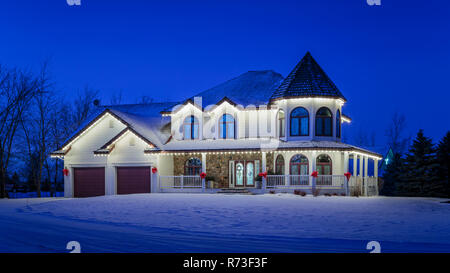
[(217, 164)]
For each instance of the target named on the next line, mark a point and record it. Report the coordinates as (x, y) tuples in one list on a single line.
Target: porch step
[(234, 191)]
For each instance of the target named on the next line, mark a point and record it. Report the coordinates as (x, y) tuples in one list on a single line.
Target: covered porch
[(312, 171)]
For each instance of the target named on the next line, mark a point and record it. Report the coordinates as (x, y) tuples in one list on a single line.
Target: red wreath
[(263, 174), (154, 170), (348, 175), (314, 174), (65, 172), (202, 175)]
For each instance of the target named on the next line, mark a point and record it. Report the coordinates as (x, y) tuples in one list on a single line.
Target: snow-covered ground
[(225, 223)]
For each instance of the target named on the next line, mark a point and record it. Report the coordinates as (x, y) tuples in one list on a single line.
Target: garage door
[(89, 182), (133, 180)]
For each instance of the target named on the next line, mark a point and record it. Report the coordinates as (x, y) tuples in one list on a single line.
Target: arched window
[(190, 128), (299, 165), (299, 122), (281, 123), (226, 126), (193, 166), (338, 124), (323, 165), (324, 122), (279, 165)]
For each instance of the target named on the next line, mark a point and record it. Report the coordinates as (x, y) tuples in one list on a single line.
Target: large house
[(259, 132)]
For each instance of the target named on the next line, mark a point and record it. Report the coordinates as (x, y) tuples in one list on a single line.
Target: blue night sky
[(393, 57)]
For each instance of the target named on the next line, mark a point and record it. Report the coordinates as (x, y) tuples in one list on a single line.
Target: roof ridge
[(135, 104)]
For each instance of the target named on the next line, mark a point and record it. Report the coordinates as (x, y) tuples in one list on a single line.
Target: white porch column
[(313, 168), (345, 162), (263, 163), (366, 165), (204, 162), (375, 167), (263, 167), (375, 174), (361, 159), (287, 159), (355, 167)]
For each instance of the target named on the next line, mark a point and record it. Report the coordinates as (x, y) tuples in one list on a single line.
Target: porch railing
[(331, 181), (306, 181), (181, 182), (287, 181)]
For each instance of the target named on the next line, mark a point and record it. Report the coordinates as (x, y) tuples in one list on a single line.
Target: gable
[(95, 134)]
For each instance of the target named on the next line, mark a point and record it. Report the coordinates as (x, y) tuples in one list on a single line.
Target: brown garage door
[(133, 180), (89, 182)]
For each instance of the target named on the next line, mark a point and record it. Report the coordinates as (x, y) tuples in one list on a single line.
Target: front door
[(250, 174), (244, 173)]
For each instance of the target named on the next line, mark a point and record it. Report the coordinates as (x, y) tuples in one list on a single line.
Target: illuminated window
[(279, 165), (324, 122), (190, 128), (299, 122), (193, 166), (323, 165), (299, 165), (226, 126)]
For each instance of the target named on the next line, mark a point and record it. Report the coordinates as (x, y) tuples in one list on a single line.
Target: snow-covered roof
[(144, 119), (255, 144), (250, 88)]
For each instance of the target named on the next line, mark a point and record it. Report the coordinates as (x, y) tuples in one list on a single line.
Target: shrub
[(272, 192), (299, 192), (356, 191), (327, 194)]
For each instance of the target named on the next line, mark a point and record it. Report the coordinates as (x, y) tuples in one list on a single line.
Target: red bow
[(348, 174), (314, 174), (65, 172), (202, 175), (263, 174), (154, 170)]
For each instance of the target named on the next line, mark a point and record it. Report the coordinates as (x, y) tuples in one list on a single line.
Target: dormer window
[(299, 122), (190, 127), (227, 126), (324, 122)]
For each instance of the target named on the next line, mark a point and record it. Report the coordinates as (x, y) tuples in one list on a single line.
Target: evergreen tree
[(443, 162), (392, 176), (420, 167)]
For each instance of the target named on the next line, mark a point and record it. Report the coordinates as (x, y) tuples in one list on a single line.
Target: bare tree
[(395, 134), (361, 138), (17, 90), (145, 100), (116, 97), (83, 106), (36, 126)]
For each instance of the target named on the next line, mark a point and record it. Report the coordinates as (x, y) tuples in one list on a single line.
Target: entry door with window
[(244, 173)]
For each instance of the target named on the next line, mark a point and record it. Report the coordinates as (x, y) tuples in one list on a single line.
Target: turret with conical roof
[(307, 79)]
